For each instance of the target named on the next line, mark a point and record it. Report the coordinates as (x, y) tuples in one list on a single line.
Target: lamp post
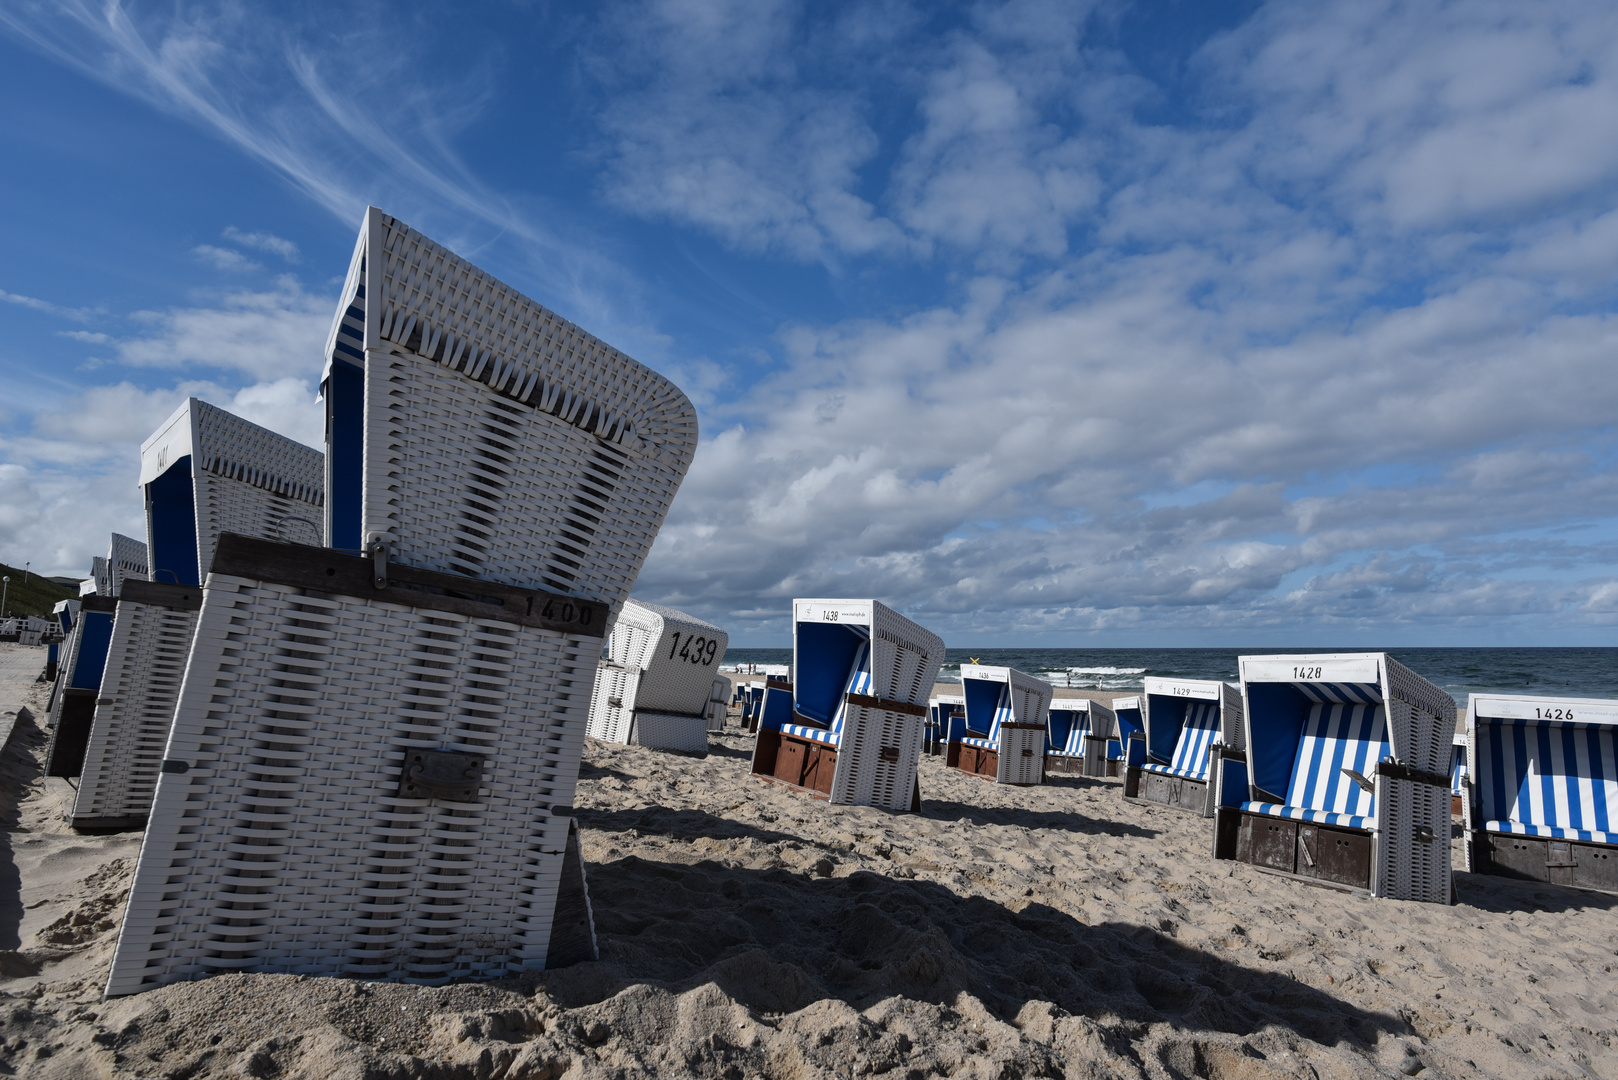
[(5, 590)]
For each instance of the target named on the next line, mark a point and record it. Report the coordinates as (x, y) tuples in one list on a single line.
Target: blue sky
[(1086, 323)]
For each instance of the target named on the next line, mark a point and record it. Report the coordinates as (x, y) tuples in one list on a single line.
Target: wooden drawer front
[(1269, 842), (1334, 855), (789, 761), (820, 764), (1597, 866)]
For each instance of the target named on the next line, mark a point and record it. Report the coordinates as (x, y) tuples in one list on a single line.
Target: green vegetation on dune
[(36, 596)]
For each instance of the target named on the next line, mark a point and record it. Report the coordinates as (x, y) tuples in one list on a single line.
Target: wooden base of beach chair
[(1320, 854), (1456, 807), (799, 763), (65, 756), (973, 759), (1064, 764), (1176, 791), (1114, 768), (96, 826), (1556, 862)]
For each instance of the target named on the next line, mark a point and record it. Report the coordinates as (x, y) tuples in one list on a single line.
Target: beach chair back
[(1183, 718), (656, 682)]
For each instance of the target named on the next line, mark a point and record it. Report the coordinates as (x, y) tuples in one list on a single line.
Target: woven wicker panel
[(670, 731), (1412, 856), (1232, 730), (1423, 734), (612, 702), (502, 441), (905, 658), (679, 655), (285, 846), (1021, 755), (126, 558), (249, 480), (139, 689)]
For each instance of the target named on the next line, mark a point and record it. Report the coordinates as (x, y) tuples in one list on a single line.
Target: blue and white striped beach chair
[(1001, 735), (1076, 737), (1543, 789), (1184, 719), (1345, 776), (940, 711), (1128, 745), (852, 732)]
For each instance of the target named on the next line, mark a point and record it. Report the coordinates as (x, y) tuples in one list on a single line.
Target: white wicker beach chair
[(78, 684), (1345, 776), (1127, 747), (1078, 732), (126, 561), (66, 614), (1541, 789), (391, 795), (1184, 720), (204, 471), (1000, 735), (848, 728), (655, 688), (718, 703), (940, 711)]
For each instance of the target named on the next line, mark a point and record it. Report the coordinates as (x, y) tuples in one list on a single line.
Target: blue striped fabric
[(1334, 737), (1517, 828), (1190, 758), (858, 682), (1545, 775), (1002, 714), (985, 744), (1341, 693), (1077, 730)]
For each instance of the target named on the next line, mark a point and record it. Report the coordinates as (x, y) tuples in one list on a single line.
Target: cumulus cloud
[(225, 259), (263, 241), (262, 334)]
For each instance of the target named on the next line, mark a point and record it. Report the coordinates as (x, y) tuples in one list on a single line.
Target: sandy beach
[(747, 930)]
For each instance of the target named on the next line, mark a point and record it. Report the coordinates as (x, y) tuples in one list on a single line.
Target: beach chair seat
[(656, 682), (849, 726), (84, 656), (1128, 744), (1182, 721), (400, 730), (1542, 789), (1343, 776), (1001, 733)]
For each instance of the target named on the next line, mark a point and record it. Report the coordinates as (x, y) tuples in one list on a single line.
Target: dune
[(749, 931)]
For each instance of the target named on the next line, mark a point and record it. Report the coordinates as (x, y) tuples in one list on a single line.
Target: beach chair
[(1128, 745), (126, 561), (204, 471), (940, 711), (1000, 734), (848, 727), (374, 757), (1344, 778), (1077, 734), (1184, 720), (1457, 775), (73, 704), (1541, 790), (718, 703), (656, 684), (66, 614)]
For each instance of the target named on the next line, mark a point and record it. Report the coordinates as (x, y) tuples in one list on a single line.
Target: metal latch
[(441, 774), (378, 550), (1424, 835), (889, 753)]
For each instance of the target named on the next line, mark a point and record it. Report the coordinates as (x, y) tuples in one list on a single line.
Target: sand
[(749, 931)]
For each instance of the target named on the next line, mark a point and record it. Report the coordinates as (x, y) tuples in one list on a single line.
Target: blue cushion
[(1190, 758), (1335, 738), (1170, 770), (1517, 828), (985, 744)]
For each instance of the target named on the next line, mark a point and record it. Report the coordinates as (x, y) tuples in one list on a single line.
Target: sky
[(1079, 324)]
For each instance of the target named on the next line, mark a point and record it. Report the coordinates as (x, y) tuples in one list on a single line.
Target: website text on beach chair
[(1127, 747), (849, 729), (1077, 735), (204, 471), (940, 711), (1345, 780), (1457, 775), (1187, 722), (1000, 735), (654, 687), (1541, 787), (374, 758)]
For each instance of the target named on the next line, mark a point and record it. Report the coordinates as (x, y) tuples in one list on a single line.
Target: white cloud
[(263, 241), (233, 262), (46, 307), (265, 335), (89, 337)]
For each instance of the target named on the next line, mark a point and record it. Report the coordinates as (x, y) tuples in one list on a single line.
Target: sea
[(1553, 672)]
